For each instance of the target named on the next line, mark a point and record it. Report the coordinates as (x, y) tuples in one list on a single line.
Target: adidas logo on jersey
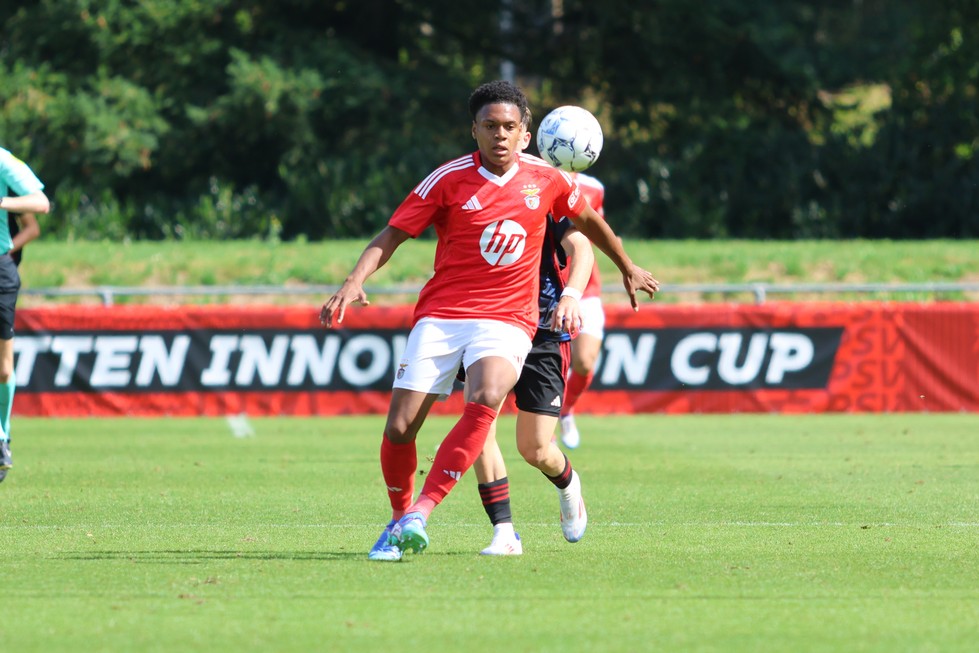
[(452, 474), (557, 401), (472, 205)]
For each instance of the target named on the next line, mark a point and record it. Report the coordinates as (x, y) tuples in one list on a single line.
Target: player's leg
[(399, 457), (426, 372), (494, 492), (585, 350), (8, 301), (491, 378), (536, 444), (493, 358), (399, 461), (541, 382)]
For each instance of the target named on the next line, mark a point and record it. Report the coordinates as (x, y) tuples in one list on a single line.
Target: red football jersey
[(490, 233), (594, 191)]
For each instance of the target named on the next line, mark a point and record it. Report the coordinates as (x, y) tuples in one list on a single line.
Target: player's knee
[(491, 396), (399, 432), (534, 455), (586, 363)]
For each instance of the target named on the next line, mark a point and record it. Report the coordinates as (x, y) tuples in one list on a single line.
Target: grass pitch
[(706, 533)]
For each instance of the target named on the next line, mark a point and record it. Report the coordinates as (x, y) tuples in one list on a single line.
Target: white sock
[(566, 492), (503, 529)]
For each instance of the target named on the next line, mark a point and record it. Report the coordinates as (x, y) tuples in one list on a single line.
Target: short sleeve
[(569, 201), (415, 214), (17, 175)]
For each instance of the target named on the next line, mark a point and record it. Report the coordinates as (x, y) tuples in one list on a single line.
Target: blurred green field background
[(81, 265), (707, 533)]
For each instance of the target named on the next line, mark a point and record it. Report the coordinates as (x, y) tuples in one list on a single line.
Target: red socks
[(458, 450), (575, 387), (398, 465)]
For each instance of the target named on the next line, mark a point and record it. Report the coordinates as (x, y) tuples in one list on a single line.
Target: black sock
[(496, 500), (563, 479)]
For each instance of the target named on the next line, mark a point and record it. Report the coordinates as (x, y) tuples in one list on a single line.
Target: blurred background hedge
[(287, 119)]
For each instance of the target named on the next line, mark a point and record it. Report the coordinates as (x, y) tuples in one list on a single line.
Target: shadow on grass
[(200, 556)]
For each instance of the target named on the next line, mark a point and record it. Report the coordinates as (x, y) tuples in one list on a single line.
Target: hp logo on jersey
[(502, 242)]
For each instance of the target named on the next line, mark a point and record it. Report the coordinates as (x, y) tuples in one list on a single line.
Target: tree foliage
[(304, 118)]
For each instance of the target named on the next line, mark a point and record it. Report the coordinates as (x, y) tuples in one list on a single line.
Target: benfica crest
[(531, 198)]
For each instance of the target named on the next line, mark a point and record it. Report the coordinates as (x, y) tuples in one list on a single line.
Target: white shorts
[(436, 347), (592, 317)]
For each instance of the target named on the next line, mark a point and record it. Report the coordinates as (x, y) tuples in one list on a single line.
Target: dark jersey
[(553, 278)]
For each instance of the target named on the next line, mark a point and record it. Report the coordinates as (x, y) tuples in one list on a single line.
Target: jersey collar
[(499, 181)]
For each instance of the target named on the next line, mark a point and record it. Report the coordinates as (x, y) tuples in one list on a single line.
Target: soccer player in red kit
[(480, 308), (585, 348)]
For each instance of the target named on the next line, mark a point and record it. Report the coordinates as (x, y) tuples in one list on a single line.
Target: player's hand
[(335, 307), (639, 280), (567, 316)]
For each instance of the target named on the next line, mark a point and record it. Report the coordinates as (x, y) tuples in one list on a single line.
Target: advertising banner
[(712, 358)]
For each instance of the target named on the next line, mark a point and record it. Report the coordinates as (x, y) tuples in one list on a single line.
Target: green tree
[(253, 118)]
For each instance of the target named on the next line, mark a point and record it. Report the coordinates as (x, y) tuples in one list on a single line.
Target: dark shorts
[(540, 388), (9, 287)]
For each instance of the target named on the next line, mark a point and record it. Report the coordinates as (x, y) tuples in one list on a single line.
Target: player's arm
[(29, 230), (581, 258), (634, 278), (36, 202), (375, 255)]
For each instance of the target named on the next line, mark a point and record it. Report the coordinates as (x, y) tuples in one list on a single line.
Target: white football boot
[(574, 517), (506, 542)]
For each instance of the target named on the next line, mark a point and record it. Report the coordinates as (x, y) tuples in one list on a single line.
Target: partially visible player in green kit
[(28, 199)]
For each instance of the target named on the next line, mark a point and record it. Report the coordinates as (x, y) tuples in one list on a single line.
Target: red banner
[(714, 358)]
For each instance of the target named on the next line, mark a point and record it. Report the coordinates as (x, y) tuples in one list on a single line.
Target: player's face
[(501, 136)]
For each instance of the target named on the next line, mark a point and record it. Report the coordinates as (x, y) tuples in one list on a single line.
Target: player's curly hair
[(500, 92)]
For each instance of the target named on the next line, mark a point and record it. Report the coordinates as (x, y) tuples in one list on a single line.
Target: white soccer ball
[(570, 138)]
